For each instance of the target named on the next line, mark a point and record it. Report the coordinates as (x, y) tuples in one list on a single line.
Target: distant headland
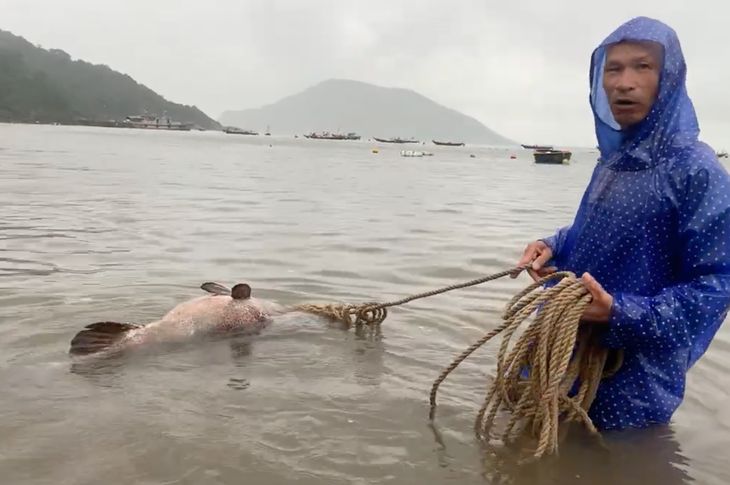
[(363, 109), (46, 86)]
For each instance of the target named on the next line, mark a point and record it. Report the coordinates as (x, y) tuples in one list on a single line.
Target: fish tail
[(100, 336)]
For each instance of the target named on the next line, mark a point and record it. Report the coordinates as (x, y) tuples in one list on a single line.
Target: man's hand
[(539, 253), (599, 311)]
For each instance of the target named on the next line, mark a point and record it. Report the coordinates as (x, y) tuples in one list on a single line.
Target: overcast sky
[(518, 66)]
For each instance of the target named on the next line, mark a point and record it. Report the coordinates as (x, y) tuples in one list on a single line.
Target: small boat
[(538, 147), (448, 143), (234, 130), (722, 154), (151, 122), (395, 140), (332, 136), (413, 153), (552, 157)]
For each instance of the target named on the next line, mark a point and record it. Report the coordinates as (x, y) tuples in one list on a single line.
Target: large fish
[(224, 311)]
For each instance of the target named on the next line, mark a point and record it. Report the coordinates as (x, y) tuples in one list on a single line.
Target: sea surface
[(115, 224)]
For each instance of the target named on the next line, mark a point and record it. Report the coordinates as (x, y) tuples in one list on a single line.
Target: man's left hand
[(599, 311)]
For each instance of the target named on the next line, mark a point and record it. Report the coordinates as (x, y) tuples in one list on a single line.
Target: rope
[(555, 348), (373, 313)]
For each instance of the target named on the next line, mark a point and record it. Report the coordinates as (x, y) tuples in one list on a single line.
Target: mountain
[(345, 105), (48, 86)]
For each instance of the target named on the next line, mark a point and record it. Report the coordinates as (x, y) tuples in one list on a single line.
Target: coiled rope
[(555, 350)]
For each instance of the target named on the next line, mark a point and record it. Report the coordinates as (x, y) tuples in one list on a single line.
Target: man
[(651, 238)]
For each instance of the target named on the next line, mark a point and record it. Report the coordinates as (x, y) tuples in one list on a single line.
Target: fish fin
[(99, 336), (241, 292), (215, 288)]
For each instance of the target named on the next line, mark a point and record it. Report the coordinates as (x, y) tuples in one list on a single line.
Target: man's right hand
[(538, 253)]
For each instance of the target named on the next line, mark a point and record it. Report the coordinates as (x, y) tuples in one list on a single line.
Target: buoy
[(472, 156)]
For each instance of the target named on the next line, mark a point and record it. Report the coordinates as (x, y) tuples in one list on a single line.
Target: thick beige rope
[(374, 313)]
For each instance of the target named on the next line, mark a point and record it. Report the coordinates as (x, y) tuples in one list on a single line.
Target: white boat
[(414, 153), (150, 122)]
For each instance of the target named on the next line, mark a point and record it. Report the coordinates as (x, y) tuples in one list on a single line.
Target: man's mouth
[(624, 102)]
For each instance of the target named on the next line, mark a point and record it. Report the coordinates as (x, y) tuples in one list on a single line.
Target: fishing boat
[(722, 154), (324, 136), (448, 143), (552, 157), (332, 136), (151, 122), (234, 130), (395, 140), (268, 132), (537, 147)]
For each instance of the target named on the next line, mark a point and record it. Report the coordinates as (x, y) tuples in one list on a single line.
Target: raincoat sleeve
[(556, 243), (695, 307)]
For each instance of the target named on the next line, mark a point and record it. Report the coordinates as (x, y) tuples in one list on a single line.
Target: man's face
[(631, 80)]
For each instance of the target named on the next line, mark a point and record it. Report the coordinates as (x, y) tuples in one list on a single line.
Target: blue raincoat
[(653, 228)]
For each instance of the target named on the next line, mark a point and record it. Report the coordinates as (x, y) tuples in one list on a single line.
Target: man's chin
[(628, 121)]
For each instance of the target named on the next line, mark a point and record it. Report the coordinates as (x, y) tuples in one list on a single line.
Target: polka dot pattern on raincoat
[(653, 228)]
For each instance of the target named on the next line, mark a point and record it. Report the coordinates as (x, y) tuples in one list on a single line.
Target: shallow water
[(122, 225)]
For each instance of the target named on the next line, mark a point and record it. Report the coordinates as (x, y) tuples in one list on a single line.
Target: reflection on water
[(637, 456), (122, 225)]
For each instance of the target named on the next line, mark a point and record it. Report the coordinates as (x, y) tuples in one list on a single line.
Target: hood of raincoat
[(671, 123)]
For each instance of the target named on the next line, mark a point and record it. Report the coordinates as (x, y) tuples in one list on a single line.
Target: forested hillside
[(48, 86)]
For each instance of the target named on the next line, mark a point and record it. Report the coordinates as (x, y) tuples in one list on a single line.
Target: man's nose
[(626, 81)]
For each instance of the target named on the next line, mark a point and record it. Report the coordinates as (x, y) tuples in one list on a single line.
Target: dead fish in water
[(224, 312)]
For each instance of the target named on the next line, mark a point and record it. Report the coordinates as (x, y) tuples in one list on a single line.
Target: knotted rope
[(555, 350)]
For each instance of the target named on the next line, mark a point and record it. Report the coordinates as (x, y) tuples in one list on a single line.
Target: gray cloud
[(519, 66)]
